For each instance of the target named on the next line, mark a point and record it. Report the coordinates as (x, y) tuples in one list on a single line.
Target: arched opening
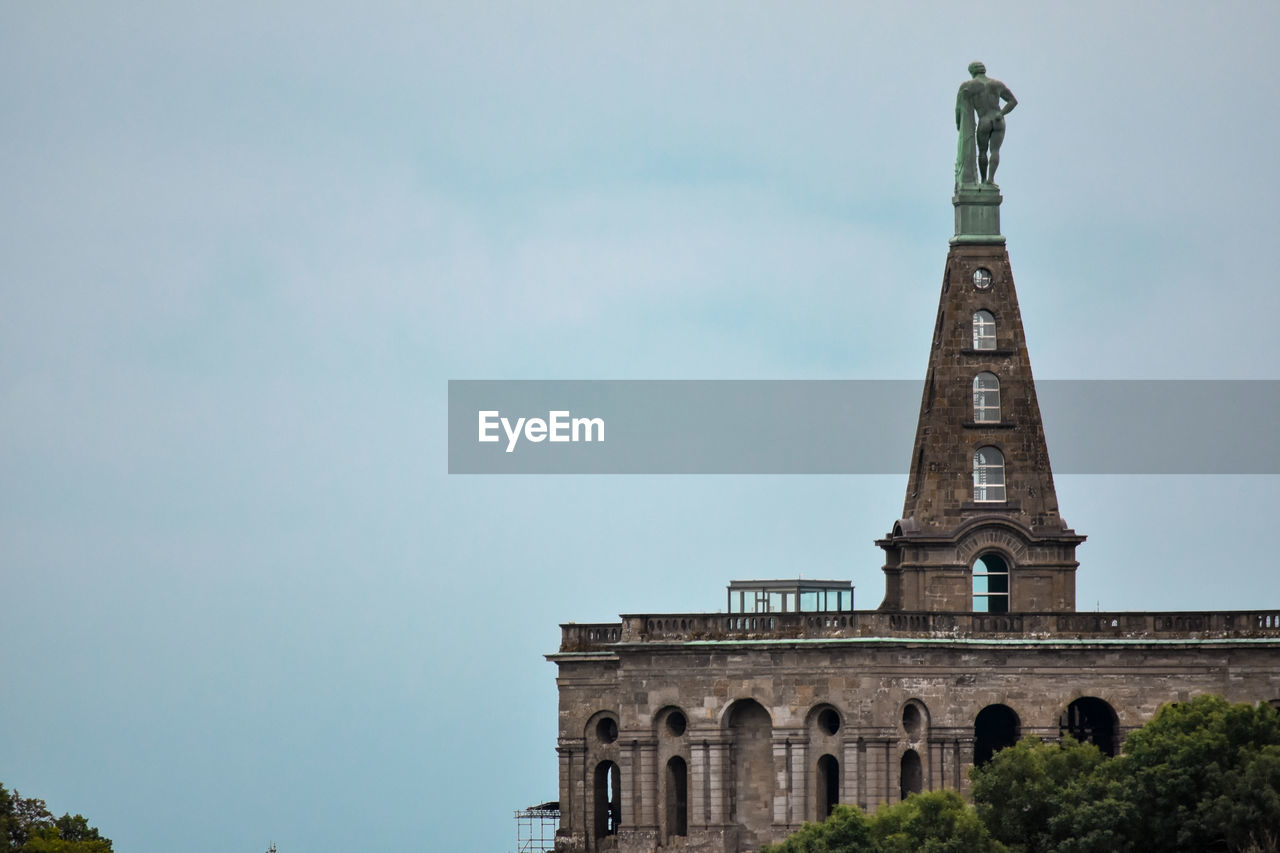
[(828, 778), (607, 792), (912, 774), (829, 721), (607, 730), (984, 330), (986, 398), (988, 475), (1091, 720), (990, 584), (676, 724), (751, 736), (913, 722), (677, 797), (996, 727)]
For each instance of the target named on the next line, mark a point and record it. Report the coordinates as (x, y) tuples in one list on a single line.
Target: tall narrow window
[(986, 398), (988, 475), (990, 585), (828, 785), (677, 797), (912, 779), (984, 330), (608, 799)]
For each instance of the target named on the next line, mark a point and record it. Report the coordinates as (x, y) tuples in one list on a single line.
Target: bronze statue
[(980, 97)]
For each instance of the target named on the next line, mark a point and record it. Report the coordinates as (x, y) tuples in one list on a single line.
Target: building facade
[(719, 732)]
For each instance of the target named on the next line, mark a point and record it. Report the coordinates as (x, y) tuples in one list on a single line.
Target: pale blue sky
[(243, 249)]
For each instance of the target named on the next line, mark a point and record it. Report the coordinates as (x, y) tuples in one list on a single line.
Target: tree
[(1052, 798), (848, 829), (1204, 775), (27, 826), (1201, 777), (938, 822)]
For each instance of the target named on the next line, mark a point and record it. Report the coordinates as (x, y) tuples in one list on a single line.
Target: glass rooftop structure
[(791, 595)]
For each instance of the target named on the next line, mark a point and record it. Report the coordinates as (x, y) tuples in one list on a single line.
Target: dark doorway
[(1091, 720), (996, 727), (608, 799), (828, 785), (912, 774), (677, 797)]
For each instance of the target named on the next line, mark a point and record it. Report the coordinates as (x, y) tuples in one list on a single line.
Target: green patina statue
[(980, 120)]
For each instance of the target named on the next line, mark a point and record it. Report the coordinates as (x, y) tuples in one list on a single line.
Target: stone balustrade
[(685, 627)]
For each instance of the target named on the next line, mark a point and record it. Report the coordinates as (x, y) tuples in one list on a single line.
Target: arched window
[(828, 785), (984, 330), (912, 781), (608, 799), (988, 475), (913, 721), (986, 398), (677, 797), (1091, 720), (996, 727), (990, 585)]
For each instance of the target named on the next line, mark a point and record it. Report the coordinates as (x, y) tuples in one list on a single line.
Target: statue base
[(977, 214)]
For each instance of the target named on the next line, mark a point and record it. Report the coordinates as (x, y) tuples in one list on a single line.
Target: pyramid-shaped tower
[(980, 527)]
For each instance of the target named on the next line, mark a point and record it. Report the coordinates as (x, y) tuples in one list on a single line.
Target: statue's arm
[(1010, 101), (960, 105)]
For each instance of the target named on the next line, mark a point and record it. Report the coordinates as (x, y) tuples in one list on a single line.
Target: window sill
[(999, 351), (1013, 506), (988, 424)]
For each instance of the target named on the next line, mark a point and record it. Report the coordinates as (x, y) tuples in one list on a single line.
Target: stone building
[(723, 731)]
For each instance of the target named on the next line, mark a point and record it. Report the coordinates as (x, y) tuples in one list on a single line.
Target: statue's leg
[(997, 137), (984, 137)]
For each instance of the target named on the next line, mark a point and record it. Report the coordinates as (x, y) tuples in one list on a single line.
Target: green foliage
[(848, 829), (27, 826), (1204, 775), (1039, 797), (1201, 776), (939, 822)]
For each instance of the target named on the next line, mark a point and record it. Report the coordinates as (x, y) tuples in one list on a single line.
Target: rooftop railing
[(685, 627)]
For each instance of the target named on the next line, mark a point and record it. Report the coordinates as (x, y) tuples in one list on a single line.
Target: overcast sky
[(243, 248)]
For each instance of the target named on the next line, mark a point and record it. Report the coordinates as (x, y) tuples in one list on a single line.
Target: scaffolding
[(536, 828)]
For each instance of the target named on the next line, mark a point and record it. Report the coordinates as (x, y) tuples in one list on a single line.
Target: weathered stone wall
[(754, 731)]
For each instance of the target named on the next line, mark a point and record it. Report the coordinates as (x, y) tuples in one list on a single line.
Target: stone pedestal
[(977, 214)]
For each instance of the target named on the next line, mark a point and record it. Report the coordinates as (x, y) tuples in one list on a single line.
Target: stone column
[(964, 760), (699, 785), (781, 779), (864, 778), (892, 767), (879, 773), (799, 783), (647, 789), (571, 754), (628, 774), (850, 791), (719, 786)]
